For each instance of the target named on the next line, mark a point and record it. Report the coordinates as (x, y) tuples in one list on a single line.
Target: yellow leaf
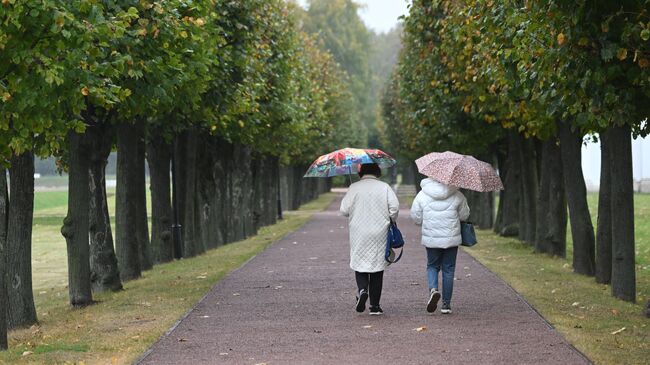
[(621, 54), (6, 97), (561, 39), (619, 331), (241, 123), (84, 91), (184, 34)]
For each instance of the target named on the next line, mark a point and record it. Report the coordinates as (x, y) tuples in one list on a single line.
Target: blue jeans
[(444, 258)]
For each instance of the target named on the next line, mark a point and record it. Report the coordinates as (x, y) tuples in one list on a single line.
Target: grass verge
[(122, 325), (583, 311)]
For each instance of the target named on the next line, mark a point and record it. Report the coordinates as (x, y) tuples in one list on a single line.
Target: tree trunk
[(557, 215), (104, 272), (192, 244), (551, 216), (142, 220), (604, 223), (582, 230), (4, 215), (159, 158), (21, 310), (529, 191), (622, 214), (542, 244), (179, 155), (417, 177), (76, 224), (503, 172), (126, 196), (512, 189)]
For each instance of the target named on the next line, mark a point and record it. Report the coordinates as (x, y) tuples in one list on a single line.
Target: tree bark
[(529, 191), (192, 244), (4, 215), (104, 272), (582, 230), (551, 216), (159, 158), (142, 220), (503, 172), (604, 223), (126, 195), (622, 214), (76, 224), (542, 245), (512, 189), (557, 216), (179, 155), (21, 309)]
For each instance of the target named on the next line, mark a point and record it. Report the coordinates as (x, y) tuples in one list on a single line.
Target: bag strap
[(398, 257)]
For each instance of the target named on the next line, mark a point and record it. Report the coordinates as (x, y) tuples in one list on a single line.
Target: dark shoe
[(361, 300), (446, 308), (376, 311), (433, 301)]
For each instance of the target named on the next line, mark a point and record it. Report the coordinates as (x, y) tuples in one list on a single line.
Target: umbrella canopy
[(460, 171), (346, 161)]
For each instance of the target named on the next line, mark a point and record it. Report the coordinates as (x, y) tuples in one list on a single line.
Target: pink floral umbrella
[(461, 171)]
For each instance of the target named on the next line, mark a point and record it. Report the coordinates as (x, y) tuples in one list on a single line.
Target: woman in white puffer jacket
[(439, 208)]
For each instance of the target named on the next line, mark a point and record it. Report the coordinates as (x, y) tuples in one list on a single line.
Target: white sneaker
[(433, 301)]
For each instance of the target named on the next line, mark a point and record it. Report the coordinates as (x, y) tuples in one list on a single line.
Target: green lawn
[(122, 325), (583, 311)]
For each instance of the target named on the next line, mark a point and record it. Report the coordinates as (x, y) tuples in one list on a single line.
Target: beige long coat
[(368, 204)]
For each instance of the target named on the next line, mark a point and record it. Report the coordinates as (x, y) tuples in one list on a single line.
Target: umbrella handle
[(350, 174)]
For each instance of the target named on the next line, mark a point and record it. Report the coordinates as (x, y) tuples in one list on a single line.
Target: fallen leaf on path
[(182, 340), (553, 291), (223, 353), (420, 329), (278, 287), (368, 326), (615, 312), (575, 304), (205, 316), (201, 277), (27, 353), (235, 294), (468, 275), (619, 331), (414, 283)]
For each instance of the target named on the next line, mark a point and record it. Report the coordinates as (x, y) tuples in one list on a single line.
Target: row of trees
[(224, 93), (519, 84)]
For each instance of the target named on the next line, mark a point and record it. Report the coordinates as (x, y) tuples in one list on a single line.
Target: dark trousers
[(372, 282)]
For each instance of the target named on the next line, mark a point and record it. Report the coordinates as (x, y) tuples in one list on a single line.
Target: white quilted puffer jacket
[(369, 204), (439, 208)]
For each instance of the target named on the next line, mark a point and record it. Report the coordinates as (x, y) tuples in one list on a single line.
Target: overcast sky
[(379, 15)]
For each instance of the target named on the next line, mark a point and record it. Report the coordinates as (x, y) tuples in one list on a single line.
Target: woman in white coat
[(369, 205), (439, 208)]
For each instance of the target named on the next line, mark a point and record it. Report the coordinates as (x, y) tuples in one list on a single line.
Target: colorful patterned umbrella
[(346, 161), (460, 171)]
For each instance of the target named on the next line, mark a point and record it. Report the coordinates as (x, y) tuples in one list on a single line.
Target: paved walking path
[(294, 304)]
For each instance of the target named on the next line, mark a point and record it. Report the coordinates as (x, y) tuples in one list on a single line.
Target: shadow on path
[(294, 304)]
